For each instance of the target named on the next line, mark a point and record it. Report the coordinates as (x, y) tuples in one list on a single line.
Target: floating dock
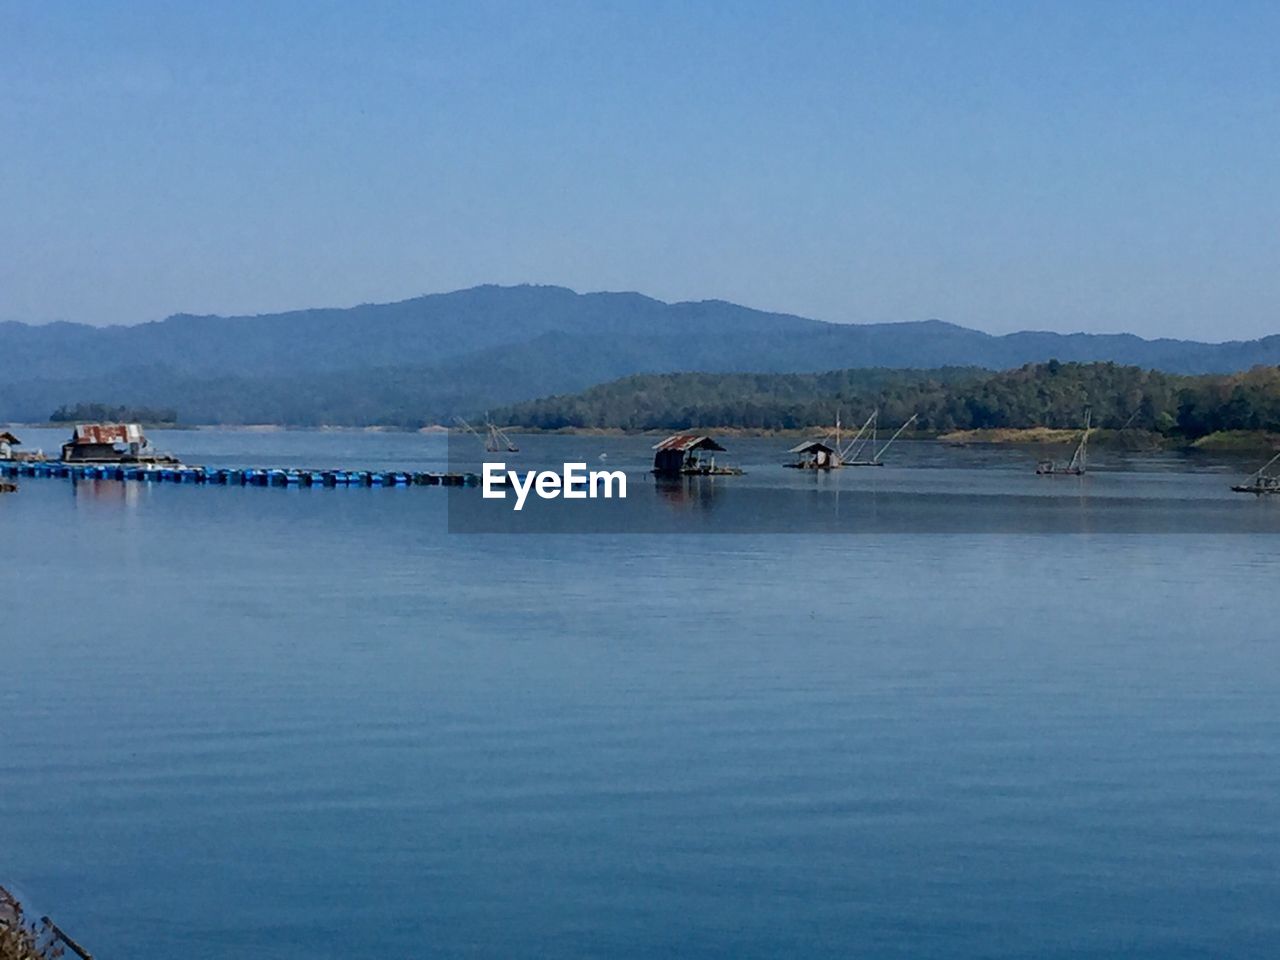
[(237, 476)]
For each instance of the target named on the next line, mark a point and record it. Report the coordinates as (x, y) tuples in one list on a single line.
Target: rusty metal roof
[(108, 433), (684, 442)]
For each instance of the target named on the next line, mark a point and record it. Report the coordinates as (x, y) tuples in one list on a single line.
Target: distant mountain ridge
[(425, 359)]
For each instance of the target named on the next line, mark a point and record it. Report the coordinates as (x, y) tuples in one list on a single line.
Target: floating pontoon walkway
[(237, 477)]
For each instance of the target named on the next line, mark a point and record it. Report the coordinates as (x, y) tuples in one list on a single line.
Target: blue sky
[(1074, 166)]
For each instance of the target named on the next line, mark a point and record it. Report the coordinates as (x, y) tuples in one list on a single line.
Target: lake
[(942, 708)]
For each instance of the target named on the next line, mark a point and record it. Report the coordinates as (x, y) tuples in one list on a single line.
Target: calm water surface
[(312, 723)]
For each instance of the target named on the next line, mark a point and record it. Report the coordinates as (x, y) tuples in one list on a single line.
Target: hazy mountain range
[(426, 359)]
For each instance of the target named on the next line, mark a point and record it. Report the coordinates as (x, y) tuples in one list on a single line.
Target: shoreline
[(1136, 441)]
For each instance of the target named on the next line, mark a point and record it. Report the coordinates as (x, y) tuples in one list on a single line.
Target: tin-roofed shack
[(111, 443), (815, 455), (9, 444), (688, 453)]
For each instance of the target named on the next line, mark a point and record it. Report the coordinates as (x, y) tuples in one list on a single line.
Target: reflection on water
[(262, 722), (90, 491), (684, 493)]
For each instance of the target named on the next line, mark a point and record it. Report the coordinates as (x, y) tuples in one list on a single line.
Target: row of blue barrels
[(253, 476)]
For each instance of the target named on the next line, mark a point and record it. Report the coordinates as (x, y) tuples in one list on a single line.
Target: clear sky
[(1073, 166)]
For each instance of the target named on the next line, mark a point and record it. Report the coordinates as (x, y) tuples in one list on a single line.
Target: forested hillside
[(1050, 394)]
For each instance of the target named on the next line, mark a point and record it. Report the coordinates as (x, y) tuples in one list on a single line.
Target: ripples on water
[(310, 723)]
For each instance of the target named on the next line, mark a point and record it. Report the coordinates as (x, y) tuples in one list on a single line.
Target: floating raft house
[(689, 454), (9, 444), (815, 455), (112, 443)]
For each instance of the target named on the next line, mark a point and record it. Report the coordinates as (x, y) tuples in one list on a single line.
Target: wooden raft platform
[(238, 476)]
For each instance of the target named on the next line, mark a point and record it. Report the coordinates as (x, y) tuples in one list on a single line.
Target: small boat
[(1078, 463), (1262, 481)]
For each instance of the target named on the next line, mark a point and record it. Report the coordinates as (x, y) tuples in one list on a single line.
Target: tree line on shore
[(108, 413), (1048, 394)]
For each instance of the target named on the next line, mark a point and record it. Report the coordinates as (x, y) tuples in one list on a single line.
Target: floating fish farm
[(236, 477)]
